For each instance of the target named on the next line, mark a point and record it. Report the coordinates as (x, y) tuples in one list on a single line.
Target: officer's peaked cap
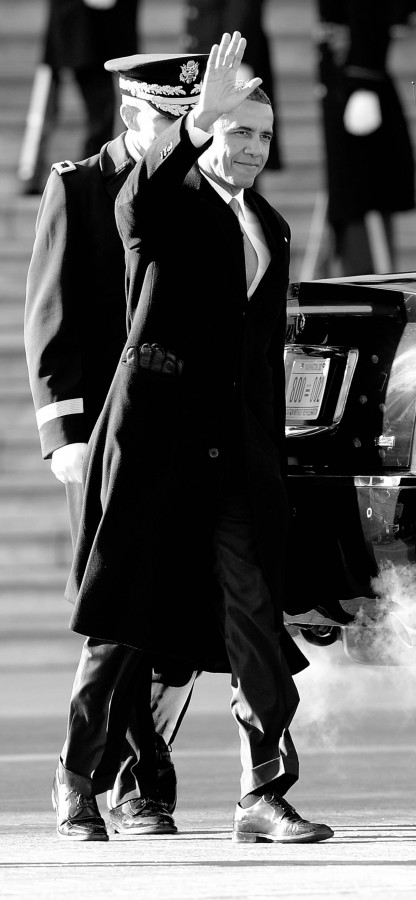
[(170, 82)]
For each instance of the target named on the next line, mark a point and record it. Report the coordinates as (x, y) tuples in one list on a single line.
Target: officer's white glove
[(66, 462), (362, 113)]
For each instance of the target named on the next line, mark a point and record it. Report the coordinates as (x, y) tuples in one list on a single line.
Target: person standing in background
[(80, 35), (369, 157), (207, 20)]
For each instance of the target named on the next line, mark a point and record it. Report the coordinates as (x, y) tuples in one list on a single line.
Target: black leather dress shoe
[(273, 819), (166, 775), (142, 816), (77, 816)]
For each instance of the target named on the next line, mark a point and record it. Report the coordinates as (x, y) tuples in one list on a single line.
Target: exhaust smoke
[(336, 690)]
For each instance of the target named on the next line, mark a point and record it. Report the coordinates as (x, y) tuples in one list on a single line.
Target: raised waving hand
[(220, 90)]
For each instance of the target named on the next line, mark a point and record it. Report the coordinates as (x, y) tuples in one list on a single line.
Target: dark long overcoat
[(164, 445)]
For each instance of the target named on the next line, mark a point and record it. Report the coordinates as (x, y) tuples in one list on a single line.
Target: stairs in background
[(35, 549)]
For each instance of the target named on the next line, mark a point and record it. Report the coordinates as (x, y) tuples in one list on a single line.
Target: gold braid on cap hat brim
[(141, 90), (175, 109)]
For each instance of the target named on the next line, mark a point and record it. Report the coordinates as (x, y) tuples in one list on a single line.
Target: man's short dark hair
[(259, 95)]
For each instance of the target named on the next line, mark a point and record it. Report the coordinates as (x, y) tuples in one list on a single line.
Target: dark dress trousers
[(164, 449)]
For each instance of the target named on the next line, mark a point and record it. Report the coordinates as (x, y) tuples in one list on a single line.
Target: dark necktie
[(250, 254)]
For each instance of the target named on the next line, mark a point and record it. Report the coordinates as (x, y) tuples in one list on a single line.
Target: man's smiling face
[(240, 147)]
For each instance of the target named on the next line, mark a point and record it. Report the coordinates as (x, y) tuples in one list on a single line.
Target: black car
[(350, 428)]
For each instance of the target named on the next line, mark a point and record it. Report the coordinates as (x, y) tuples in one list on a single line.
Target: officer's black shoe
[(166, 775), (77, 816), (142, 816)]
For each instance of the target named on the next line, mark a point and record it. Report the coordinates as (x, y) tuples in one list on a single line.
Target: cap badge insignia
[(189, 71)]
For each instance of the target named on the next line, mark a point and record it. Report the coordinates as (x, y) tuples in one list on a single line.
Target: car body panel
[(350, 429)]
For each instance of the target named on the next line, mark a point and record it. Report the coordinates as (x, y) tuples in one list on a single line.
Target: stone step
[(23, 508), (53, 578), (17, 217), (30, 651), (11, 318), (30, 519), (26, 613), (25, 550), (16, 413), (31, 498), (37, 584), (20, 461), (20, 454), (36, 589), (30, 484)]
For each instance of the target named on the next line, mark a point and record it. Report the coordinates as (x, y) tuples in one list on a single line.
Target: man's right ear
[(129, 116)]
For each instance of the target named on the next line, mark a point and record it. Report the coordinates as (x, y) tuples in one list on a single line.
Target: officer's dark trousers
[(110, 743), (264, 696), (110, 698)]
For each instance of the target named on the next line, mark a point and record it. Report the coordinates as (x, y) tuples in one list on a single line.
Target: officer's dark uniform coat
[(75, 316), (165, 445)]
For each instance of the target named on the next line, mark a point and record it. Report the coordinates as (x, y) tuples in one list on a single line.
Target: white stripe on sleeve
[(59, 408)]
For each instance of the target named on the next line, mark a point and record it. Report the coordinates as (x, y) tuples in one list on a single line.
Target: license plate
[(305, 388)]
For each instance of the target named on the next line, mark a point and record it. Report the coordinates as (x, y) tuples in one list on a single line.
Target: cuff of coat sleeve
[(61, 431)]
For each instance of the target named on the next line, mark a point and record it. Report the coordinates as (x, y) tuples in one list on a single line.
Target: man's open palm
[(219, 93)]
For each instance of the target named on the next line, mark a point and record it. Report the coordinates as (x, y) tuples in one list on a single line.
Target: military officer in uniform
[(186, 511), (75, 329)]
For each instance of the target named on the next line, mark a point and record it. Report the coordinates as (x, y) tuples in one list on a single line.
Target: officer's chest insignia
[(166, 150), (189, 72), (65, 166)]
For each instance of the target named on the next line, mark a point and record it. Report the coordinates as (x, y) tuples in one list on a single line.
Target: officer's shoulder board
[(65, 166)]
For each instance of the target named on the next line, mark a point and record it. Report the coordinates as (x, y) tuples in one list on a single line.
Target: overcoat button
[(213, 452)]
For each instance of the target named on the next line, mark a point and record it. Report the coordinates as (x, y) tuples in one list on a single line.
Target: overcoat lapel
[(276, 242), (225, 227), (254, 202)]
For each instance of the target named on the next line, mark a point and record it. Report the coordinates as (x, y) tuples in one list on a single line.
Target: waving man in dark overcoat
[(186, 510)]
